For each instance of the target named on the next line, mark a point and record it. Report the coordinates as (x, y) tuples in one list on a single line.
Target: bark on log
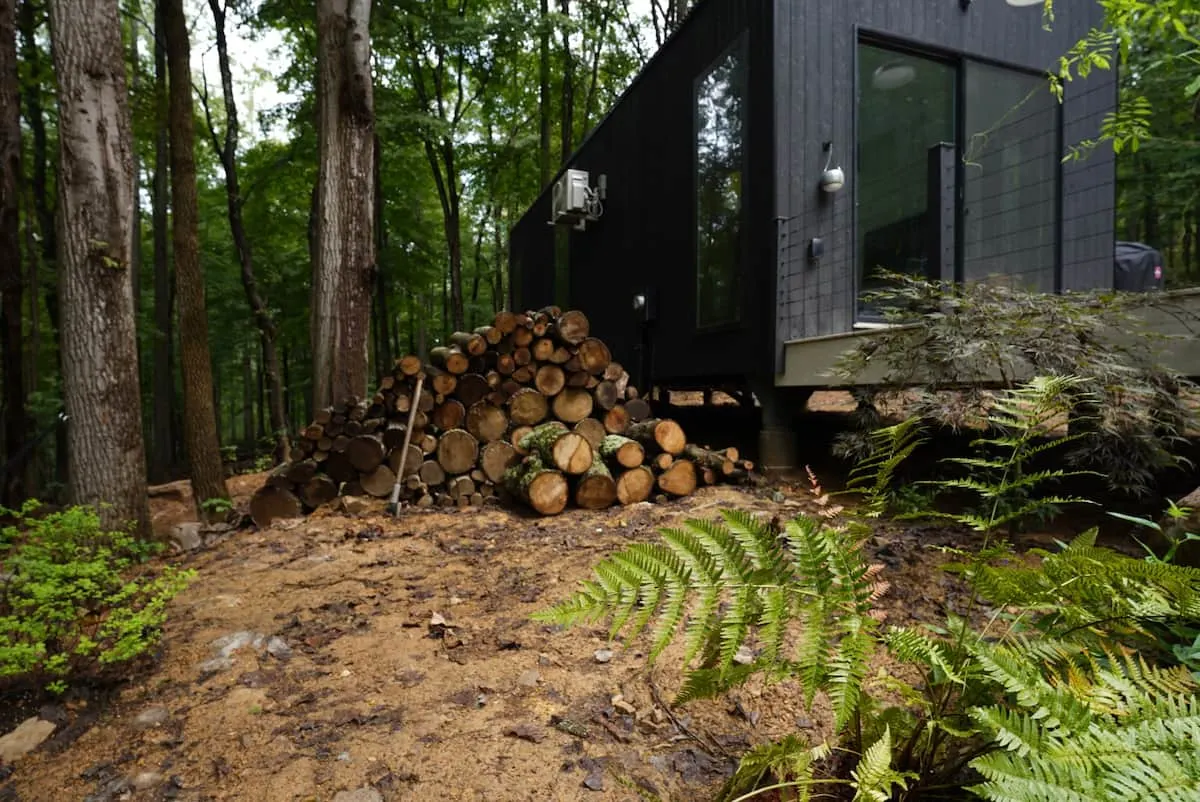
[(711, 460), (596, 489), (593, 430), (527, 407), (449, 359), (550, 380), (469, 343), (497, 457), (457, 451), (491, 334), (318, 490), (486, 422), (542, 488), (573, 405), (664, 434), (635, 485), (270, 503), (679, 479), (365, 453), (558, 448), (625, 452)]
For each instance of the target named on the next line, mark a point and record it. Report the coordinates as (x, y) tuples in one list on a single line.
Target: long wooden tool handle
[(412, 418)]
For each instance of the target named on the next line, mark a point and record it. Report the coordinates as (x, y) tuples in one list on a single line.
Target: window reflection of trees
[(720, 127)]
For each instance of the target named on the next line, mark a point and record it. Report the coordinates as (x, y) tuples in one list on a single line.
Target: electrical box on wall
[(574, 202)]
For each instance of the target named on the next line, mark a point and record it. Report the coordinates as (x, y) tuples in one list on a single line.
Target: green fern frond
[(874, 778), (787, 760), (914, 647)]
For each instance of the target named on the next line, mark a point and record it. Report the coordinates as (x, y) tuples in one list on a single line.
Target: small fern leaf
[(847, 670), (913, 647), (873, 778)]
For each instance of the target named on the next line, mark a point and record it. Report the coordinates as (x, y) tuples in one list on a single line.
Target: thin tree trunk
[(199, 416), (383, 344), (12, 490), (162, 452), (135, 267), (567, 143), (248, 400), (261, 385), (268, 331), (31, 56), (106, 452), (544, 95), (345, 243)]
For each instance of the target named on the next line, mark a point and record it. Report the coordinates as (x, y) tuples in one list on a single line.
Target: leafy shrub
[(76, 602), (954, 341), (1033, 688)]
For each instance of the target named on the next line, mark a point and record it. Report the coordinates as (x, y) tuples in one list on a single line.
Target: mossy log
[(539, 486), (622, 450), (596, 489)]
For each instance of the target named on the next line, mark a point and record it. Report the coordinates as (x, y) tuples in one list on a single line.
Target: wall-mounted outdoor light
[(1026, 3), (893, 75), (964, 4), (832, 178)]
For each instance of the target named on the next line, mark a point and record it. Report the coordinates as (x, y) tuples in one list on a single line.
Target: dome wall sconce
[(893, 75), (1026, 3), (832, 178)]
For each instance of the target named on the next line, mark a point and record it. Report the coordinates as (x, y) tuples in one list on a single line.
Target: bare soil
[(409, 665)]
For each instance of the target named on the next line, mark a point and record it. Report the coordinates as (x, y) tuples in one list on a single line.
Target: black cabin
[(719, 238)]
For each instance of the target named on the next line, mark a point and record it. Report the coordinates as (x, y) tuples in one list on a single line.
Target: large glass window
[(905, 111), (1010, 163), (720, 162), (909, 113)]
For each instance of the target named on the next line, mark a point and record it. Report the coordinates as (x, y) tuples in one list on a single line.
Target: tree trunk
[(162, 451), (567, 143), (11, 281), (345, 240), (267, 329), (544, 95), (199, 415), (99, 341)]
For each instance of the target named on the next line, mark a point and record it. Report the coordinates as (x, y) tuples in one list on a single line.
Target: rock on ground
[(24, 739)]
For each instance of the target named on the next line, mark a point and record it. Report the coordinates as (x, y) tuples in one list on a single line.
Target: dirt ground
[(369, 658)]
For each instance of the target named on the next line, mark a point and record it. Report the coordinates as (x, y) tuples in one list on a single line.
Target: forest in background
[(469, 109)]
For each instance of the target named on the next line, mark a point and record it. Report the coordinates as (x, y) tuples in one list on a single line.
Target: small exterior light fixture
[(1026, 3), (893, 75), (832, 178)]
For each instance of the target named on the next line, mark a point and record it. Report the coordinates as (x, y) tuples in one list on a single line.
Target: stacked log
[(531, 407)]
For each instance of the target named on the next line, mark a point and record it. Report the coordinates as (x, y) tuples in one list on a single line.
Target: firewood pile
[(531, 407)]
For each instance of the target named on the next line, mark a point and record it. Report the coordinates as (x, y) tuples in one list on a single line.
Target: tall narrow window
[(1010, 162), (906, 107), (720, 143)]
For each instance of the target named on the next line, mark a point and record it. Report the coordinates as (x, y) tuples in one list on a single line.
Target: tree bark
[(162, 451), (268, 331), (95, 185), (544, 95), (345, 240), (199, 413), (567, 138), (11, 281)]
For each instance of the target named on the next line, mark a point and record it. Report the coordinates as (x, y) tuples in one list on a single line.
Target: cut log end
[(271, 503)]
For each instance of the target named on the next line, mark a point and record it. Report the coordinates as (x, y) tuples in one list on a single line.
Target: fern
[(873, 476), (726, 583)]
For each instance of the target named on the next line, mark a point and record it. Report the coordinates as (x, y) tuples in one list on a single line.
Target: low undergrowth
[(77, 603), (1062, 679)]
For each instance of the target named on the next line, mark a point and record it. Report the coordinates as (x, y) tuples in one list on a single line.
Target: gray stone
[(359, 795), (187, 536), (146, 779), (353, 505), (226, 645), (277, 647), (152, 717), (744, 656), (528, 679), (594, 781), (214, 665), (603, 655), (24, 739)]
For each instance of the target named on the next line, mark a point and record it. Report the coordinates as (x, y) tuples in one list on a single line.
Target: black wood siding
[(815, 45), (646, 238)]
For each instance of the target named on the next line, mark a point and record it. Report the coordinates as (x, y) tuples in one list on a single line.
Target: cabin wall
[(646, 239), (815, 46)]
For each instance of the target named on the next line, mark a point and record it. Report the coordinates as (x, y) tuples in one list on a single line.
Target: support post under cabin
[(780, 407)]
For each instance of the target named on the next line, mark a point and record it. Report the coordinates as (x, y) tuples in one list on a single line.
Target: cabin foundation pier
[(781, 408)]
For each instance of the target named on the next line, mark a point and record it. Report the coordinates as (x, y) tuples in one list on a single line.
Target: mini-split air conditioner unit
[(574, 202)]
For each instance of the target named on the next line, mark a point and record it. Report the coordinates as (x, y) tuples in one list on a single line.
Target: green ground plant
[(77, 603), (1031, 691)]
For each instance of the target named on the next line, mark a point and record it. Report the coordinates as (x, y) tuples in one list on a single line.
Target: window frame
[(958, 59), (739, 45)]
